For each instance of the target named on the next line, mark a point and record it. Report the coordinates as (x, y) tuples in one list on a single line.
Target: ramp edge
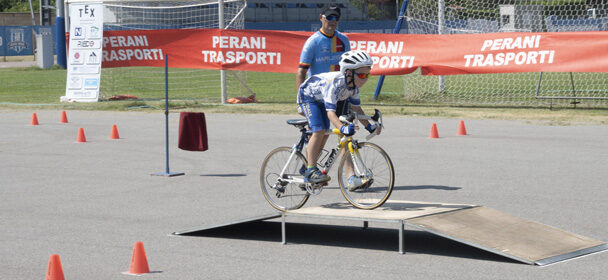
[(247, 220), (338, 217), (571, 255)]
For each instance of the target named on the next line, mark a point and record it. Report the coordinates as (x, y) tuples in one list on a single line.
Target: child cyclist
[(317, 98)]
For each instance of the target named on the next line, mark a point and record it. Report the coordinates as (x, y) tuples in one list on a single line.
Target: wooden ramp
[(485, 228), (515, 238)]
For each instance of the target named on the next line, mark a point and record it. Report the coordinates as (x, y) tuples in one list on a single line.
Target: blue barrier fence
[(2, 44), (18, 40)]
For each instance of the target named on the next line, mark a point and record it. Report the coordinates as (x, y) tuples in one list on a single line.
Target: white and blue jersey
[(321, 93), (321, 53), (328, 88)]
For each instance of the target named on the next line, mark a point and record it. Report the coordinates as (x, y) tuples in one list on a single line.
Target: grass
[(198, 90), (33, 85)]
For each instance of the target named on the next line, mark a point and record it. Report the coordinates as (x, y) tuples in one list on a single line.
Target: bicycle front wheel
[(281, 192), (372, 174)]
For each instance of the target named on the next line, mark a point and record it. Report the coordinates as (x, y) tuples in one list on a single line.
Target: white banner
[(84, 56)]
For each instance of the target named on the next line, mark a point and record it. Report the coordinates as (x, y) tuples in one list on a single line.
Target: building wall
[(12, 19)]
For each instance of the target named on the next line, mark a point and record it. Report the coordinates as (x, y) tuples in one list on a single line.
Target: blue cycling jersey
[(321, 53)]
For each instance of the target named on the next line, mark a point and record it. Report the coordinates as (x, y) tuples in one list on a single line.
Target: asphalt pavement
[(90, 202)]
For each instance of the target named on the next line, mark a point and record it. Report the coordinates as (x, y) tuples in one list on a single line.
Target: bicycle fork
[(358, 167)]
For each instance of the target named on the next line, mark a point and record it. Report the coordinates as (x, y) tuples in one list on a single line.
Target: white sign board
[(84, 56)]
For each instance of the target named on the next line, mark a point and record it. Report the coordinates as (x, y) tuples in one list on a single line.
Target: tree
[(15, 6)]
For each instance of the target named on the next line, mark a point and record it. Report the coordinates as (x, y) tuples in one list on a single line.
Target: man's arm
[(359, 111), (333, 118), (306, 60), (300, 77)]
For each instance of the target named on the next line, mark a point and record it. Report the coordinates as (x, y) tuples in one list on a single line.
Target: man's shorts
[(316, 114)]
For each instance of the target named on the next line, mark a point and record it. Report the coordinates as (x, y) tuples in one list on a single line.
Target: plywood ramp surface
[(391, 210), (521, 239)]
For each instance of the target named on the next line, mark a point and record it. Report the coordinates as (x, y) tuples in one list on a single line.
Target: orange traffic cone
[(139, 263), (64, 117), (461, 129), (434, 133), (114, 133), (34, 119), (81, 138), (54, 271)]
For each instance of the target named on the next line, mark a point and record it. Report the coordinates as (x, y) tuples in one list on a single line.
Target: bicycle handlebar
[(352, 116)]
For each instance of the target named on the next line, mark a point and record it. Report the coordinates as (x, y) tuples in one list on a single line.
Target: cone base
[(139, 274), (136, 274)]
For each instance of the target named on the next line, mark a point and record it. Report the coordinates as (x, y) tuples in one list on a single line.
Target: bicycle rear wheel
[(279, 192), (375, 168)]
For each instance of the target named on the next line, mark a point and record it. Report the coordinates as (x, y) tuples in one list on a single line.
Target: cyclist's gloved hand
[(370, 127), (348, 130)]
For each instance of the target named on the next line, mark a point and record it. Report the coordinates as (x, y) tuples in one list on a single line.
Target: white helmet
[(354, 60)]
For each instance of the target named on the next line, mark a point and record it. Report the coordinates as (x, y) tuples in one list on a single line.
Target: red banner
[(393, 54), (267, 51)]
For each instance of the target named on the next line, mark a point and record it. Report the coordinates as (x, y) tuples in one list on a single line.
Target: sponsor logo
[(77, 58), (343, 93), (87, 43), (91, 83), (85, 94), (323, 59), (75, 82), (86, 11), (17, 40), (78, 33), (94, 32), (85, 69), (93, 58)]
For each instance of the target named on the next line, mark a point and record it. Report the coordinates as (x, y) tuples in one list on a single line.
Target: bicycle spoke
[(376, 161), (291, 196)]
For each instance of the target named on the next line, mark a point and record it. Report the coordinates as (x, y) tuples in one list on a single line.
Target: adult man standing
[(321, 52)]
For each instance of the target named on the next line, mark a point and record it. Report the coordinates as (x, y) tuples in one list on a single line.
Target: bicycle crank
[(315, 189)]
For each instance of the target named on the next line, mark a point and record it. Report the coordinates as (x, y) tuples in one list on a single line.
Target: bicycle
[(282, 172)]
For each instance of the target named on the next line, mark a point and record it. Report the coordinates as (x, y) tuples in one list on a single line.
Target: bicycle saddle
[(298, 122)]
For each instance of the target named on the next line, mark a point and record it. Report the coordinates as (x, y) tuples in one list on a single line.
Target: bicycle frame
[(344, 141), (296, 148)]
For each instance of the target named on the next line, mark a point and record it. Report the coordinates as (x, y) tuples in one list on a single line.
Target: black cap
[(331, 10)]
